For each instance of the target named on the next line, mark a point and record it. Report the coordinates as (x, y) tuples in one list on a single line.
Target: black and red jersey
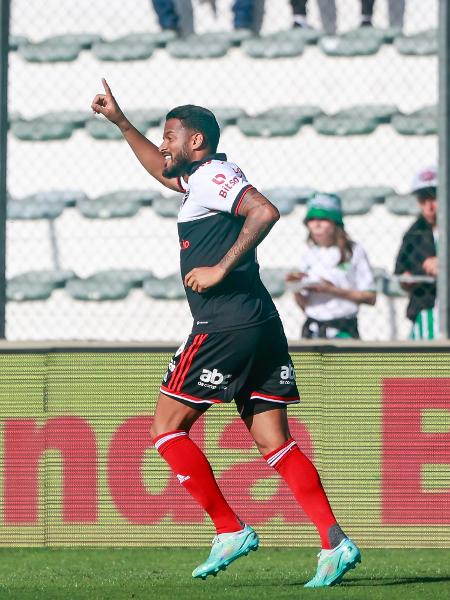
[(208, 226)]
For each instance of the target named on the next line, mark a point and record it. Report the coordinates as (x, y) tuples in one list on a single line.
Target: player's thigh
[(269, 429), (171, 414)]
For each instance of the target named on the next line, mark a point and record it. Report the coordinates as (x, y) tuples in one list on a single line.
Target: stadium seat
[(119, 50), (23, 291), (101, 129), (98, 290), (273, 279), (392, 287), (144, 197), (424, 43), (300, 114), (415, 124), (304, 34), (362, 199), (157, 38), (272, 46), (57, 278), (355, 204), (381, 113), (228, 115), (379, 274), (385, 35), (107, 207), (41, 130), (285, 198), (83, 40), (268, 126), (195, 46), (167, 288), (133, 277), (34, 209), (68, 197), (402, 204), (74, 118), (335, 45), (149, 117), (337, 125), (15, 41), (167, 206), (49, 52), (426, 111), (234, 37), (14, 116)]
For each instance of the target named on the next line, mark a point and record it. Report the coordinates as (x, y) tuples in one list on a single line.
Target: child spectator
[(334, 277)]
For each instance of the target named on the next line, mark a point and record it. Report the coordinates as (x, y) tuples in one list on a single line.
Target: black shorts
[(251, 366)]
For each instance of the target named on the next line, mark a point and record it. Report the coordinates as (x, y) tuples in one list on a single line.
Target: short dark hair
[(428, 193), (199, 119)]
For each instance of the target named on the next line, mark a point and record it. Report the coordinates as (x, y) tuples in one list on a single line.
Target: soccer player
[(237, 348)]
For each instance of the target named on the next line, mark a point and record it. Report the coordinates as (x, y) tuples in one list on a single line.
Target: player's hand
[(294, 276), (323, 287), (106, 105), (408, 287), (201, 279), (430, 266)]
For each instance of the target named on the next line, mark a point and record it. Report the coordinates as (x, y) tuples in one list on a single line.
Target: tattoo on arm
[(260, 216)]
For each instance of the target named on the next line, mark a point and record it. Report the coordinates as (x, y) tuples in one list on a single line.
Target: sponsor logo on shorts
[(287, 374), (214, 379)]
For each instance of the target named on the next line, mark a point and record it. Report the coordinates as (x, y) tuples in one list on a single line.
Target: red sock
[(194, 473), (304, 481)]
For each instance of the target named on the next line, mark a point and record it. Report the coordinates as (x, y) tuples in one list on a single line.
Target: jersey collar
[(198, 163)]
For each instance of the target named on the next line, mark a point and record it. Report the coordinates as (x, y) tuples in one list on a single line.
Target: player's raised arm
[(147, 153)]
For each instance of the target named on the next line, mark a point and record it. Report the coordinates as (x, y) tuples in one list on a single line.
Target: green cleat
[(226, 548), (334, 564)]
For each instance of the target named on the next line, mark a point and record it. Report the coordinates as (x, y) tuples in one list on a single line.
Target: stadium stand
[(291, 134)]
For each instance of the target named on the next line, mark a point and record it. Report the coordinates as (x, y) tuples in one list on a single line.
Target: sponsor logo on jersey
[(184, 244), (226, 186), (287, 374)]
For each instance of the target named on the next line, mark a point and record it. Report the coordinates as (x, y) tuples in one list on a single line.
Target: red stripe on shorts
[(179, 369), (198, 341)]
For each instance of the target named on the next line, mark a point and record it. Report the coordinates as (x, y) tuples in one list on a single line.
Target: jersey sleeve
[(364, 278), (220, 186)]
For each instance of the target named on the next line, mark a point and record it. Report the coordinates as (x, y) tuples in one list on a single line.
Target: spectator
[(335, 276), (175, 15), (396, 13), (417, 257), (327, 14)]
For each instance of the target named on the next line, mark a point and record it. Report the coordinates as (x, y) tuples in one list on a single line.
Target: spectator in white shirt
[(334, 277)]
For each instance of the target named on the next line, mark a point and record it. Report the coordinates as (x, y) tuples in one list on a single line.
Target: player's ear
[(198, 141)]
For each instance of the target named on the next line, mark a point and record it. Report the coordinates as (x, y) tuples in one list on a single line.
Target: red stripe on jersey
[(198, 341), (165, 390), (236, 211), (283, 398)]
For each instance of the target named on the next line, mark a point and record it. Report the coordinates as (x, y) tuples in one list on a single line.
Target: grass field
[(162, 573)]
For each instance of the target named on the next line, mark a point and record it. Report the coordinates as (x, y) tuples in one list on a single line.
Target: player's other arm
[(260, 216), (147, 153)]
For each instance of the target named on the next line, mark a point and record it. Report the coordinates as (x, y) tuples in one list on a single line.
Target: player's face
[(175, 148), (428, 208), (322, 231)]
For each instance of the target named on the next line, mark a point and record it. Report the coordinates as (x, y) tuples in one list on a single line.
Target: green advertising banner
[(77, 465)]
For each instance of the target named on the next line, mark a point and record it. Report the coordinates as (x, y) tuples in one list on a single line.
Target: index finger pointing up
[(106, 87)]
